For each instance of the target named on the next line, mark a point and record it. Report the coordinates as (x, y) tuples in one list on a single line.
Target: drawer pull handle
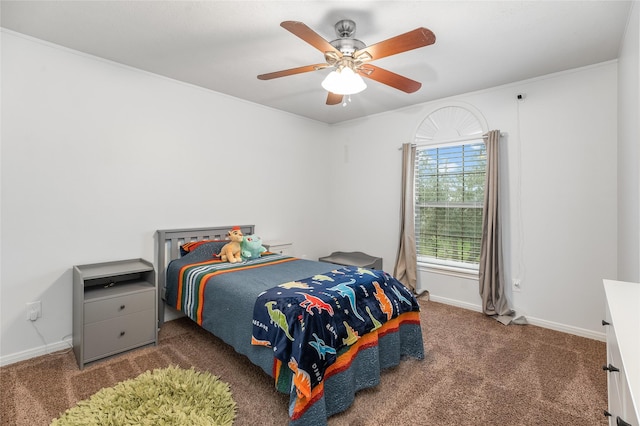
[(621, 422), (607, 414), (605, 322), (121, 333), (121, 307), (610, 368)]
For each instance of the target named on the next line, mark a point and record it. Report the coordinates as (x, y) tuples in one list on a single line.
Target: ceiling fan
[(350, 56)]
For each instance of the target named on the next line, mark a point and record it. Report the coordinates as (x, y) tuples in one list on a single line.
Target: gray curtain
[(406, 269), (494, 302)]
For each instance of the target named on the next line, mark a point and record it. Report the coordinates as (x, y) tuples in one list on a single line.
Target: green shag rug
[(168, 396)]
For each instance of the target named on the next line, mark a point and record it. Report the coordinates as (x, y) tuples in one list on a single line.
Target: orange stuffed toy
[(232, 250)]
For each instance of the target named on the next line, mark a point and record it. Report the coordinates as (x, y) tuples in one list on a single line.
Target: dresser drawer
[(119, 334), (111, 307), (623, 351)]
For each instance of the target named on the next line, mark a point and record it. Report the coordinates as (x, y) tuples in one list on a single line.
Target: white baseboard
[(66, 344), (457, 303), (35, 352), (589, 334), (170, 314)]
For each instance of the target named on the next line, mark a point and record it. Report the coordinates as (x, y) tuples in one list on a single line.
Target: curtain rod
[(452, 141)]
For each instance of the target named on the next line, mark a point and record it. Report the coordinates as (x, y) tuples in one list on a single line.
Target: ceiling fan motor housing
[(345, 28), (346, 43)]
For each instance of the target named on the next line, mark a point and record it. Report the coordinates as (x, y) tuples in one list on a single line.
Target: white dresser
[(622, 324)]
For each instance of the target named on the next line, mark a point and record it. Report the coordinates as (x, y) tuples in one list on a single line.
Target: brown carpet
[(476, 372)]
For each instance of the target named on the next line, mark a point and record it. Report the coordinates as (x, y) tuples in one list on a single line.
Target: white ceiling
[(224, 45)]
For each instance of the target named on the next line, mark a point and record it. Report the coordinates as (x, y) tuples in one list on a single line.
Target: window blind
[(449, 196)]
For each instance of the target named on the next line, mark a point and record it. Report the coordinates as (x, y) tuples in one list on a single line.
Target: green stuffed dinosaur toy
[(251, 247)]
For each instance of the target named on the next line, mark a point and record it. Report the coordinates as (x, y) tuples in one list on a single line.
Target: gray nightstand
[(353, 258), (114, 308)]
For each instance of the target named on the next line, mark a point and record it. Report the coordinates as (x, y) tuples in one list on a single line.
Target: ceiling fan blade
[(390, 78), (333, 99), (291, 71), (419, 37), (307, 34)]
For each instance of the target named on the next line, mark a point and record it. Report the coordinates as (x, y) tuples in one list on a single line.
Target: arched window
[(449, 187)]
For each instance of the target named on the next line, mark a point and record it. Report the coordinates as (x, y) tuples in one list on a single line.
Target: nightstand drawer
[(113, 307), (119, 334), (279, 247)]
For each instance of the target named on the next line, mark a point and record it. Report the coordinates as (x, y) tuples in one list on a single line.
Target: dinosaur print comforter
[(222, 297), (308, 322)]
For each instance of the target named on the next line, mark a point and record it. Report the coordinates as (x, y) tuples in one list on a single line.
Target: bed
[(322, 331)]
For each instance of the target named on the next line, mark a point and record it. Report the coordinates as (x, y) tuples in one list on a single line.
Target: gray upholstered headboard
[(168, 242)]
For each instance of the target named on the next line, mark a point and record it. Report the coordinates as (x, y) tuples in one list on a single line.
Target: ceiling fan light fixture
[(344, 81)]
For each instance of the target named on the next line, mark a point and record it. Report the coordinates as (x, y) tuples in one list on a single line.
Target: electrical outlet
[(34, 310), (516, 284)]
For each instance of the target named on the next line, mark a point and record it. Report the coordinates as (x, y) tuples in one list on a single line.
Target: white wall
[(96, 157), (629, 152), (558, 188)]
